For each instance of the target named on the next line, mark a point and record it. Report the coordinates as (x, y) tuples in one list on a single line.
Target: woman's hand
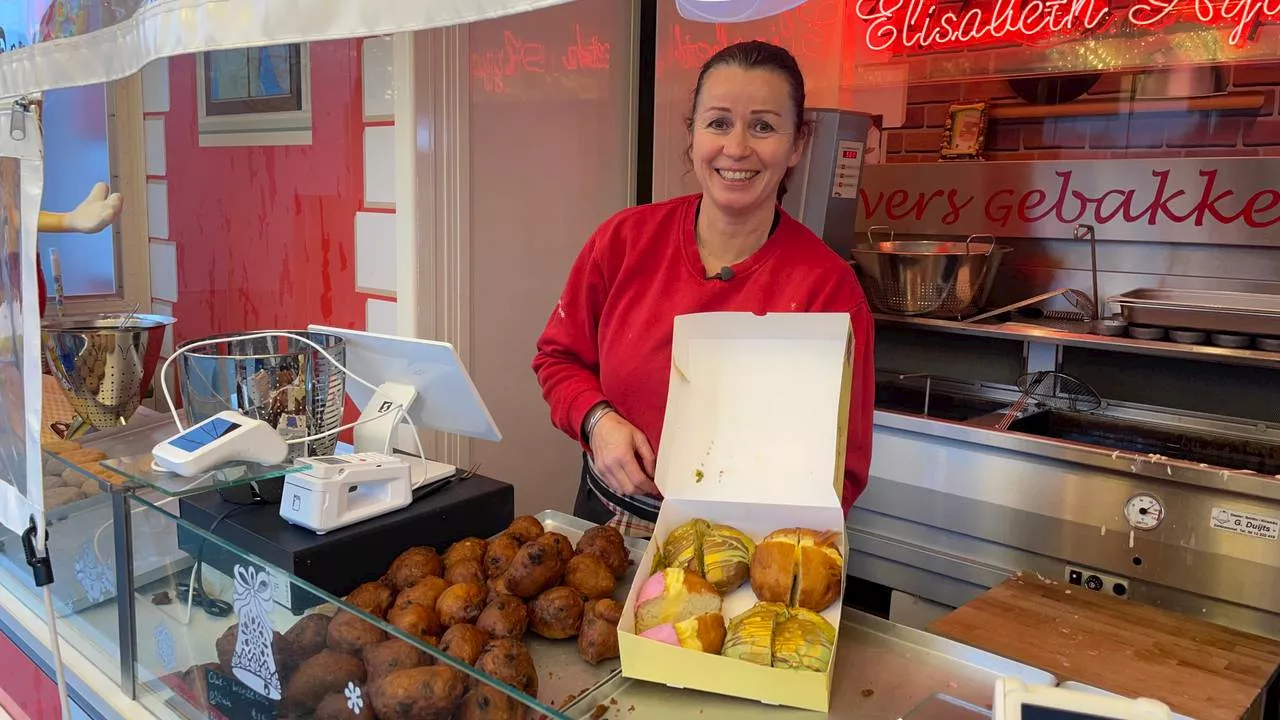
[(622, 457)]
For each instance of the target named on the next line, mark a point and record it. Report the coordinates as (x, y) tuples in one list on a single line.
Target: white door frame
[(433, 200)]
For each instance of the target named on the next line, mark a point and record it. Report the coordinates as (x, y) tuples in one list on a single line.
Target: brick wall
[(1181, 134)]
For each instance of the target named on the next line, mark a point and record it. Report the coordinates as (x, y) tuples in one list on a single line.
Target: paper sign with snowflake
[(166, 651), (253, 662), (355, 698), (98, 578)]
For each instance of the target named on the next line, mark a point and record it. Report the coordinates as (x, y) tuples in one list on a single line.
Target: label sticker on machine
[(848, 169), (1245, 524)]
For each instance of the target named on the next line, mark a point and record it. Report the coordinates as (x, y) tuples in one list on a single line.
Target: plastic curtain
[(83, 42), (21, 186)]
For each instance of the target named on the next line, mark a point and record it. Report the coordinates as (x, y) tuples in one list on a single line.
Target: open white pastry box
[(754, 437)]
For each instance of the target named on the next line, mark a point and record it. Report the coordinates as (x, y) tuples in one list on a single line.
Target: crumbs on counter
[(698, 475), (161, 598), (868, 692), (613, 701), (599, 712)]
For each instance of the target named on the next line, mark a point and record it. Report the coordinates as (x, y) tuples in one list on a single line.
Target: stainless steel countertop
[(882, 671)]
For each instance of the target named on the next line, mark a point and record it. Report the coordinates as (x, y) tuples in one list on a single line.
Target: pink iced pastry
[(665, 633), (671, 596), (652, 587)]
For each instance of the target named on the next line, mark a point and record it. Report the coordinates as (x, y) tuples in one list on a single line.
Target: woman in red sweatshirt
[(604, 359)]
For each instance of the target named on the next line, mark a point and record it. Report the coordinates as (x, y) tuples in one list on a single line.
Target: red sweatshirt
[(609, 337), (40, 282)]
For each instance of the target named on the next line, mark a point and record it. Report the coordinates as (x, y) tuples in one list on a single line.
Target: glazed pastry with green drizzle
[(719, 553), (773, 635)]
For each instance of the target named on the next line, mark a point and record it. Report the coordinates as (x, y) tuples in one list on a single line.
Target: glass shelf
[(122, 457), (138, 469)]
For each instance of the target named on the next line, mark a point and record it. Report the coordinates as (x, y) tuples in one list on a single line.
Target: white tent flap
[(82, 43), (21, 185)]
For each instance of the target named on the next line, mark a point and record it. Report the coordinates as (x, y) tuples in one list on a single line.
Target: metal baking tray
[(563, 676), (883, 670), (1211, 310)]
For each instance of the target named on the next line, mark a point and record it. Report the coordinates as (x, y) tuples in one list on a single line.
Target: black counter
[(340, 560)]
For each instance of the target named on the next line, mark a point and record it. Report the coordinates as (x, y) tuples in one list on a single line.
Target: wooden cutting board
[(1198, 669)]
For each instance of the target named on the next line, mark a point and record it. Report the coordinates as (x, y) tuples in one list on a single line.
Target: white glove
[(96, 212)]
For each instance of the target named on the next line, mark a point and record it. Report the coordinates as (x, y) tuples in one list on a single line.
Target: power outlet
[(1097, 581)]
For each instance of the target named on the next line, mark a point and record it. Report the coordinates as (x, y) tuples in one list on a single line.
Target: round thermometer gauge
[(1144, 512)]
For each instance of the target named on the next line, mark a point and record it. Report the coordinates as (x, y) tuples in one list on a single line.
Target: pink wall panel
[(266, 235), (25, 691)]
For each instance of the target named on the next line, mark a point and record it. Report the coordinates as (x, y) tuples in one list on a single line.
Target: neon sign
[(1242, 16), (910, 26), (497, 68)]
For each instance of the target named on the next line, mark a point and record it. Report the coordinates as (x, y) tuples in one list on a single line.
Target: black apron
[(589, 506)]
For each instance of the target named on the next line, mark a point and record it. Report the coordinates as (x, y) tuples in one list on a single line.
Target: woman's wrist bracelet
[(593, 417)]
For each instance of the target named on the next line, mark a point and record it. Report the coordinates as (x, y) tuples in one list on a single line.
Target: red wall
[(25, 691), (266, 235), (1165, 135)]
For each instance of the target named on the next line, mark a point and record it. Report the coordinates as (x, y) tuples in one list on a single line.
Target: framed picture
[(254, 96), (965, 133)]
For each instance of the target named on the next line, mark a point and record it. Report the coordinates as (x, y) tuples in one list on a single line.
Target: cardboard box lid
[(757, 408)]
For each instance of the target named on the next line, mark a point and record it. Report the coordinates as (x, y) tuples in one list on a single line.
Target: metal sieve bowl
[(928, 278), (104, 363)]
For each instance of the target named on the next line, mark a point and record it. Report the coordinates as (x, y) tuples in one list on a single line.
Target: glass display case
[(192, 626), (215, 637)]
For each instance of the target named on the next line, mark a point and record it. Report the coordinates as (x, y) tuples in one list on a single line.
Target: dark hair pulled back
[(757, 55)]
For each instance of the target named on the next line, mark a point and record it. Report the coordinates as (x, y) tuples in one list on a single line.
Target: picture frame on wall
[(964, 136), (254, 96)]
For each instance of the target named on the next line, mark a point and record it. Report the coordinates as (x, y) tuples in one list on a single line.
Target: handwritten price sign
[(234, 699)]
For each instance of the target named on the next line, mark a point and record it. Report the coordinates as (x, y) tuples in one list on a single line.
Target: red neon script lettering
[(915, 25), (586, 53), (516, 56), (904, 26), (1242, 16)]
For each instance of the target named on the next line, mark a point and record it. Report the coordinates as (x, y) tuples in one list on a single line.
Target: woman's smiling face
[(744, 138)]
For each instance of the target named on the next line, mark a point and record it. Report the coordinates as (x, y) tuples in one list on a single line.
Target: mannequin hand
[(96, 212), (622, 457)]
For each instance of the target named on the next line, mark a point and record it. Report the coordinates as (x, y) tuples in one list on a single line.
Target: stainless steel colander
[(104, 363), (927, 278)]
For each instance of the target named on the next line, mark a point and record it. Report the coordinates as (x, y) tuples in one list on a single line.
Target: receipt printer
[(342, 490)]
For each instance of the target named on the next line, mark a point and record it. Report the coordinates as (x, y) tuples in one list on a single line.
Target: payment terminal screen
[(203, 434)]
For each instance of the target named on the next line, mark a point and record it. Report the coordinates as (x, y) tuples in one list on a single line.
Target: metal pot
[(927, 278), (283, 382)]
